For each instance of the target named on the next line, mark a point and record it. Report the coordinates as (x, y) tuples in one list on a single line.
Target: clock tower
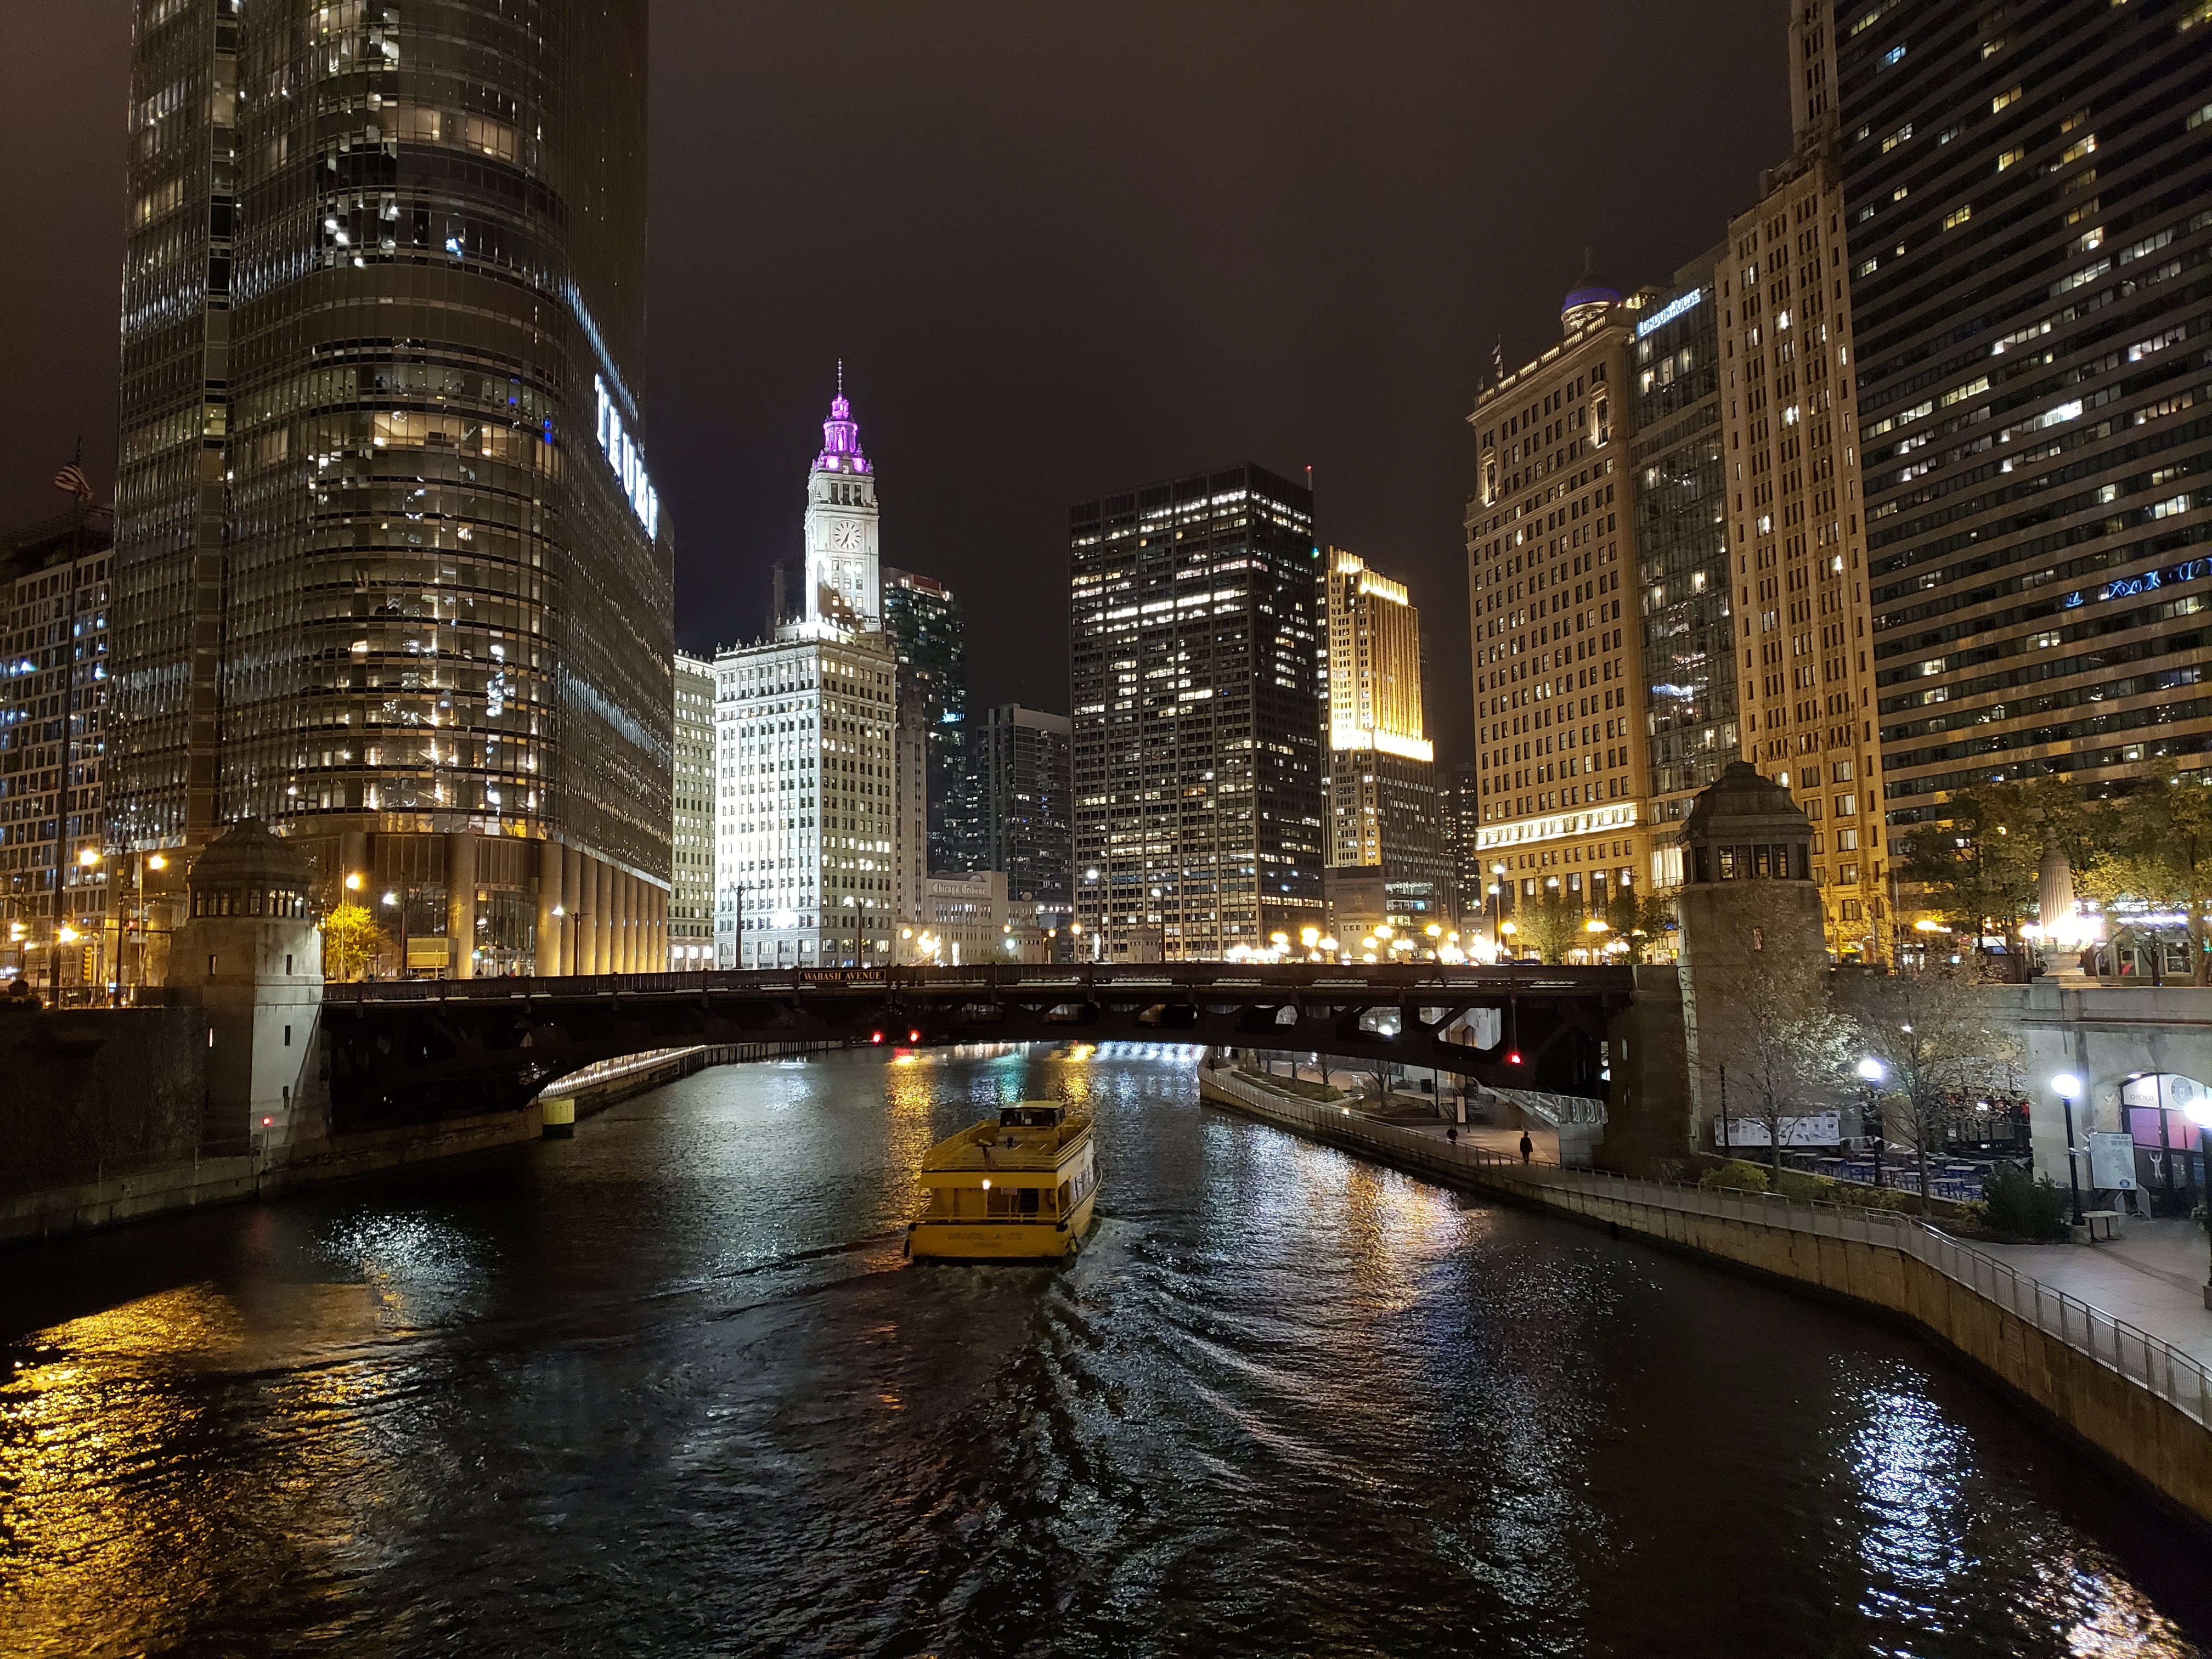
[(843, 585)]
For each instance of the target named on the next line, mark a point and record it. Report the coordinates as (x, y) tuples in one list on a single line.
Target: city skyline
[(940, 351)]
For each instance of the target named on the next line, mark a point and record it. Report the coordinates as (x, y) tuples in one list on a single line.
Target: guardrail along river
[(671, 1387)]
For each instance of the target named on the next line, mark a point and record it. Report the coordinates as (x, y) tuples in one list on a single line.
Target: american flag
[(71, 478), (1497, 357)]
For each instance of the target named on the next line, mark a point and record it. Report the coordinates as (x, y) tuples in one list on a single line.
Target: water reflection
[(670, 1387)]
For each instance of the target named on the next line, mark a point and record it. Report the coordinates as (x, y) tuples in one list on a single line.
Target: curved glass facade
[(428, 594)]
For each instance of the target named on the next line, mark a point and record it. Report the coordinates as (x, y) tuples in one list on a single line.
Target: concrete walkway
[(2152, 1276)]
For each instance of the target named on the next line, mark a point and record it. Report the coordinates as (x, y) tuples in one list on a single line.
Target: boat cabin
[(1031, 1114)]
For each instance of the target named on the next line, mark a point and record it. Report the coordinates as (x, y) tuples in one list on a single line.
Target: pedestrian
[(1452, 1135), (1527, 1146)]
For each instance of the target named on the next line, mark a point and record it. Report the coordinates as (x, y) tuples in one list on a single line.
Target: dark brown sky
[(1062, 248)]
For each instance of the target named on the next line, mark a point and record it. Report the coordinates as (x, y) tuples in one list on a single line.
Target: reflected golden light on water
[(130, 1496)]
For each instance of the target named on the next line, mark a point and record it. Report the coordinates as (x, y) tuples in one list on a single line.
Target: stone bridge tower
[(251, 953), (1753, 944)]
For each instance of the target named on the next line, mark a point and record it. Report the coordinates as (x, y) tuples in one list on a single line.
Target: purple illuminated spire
[(841, 435)]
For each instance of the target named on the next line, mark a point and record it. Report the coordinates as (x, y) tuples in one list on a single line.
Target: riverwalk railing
[(2156, 1364)]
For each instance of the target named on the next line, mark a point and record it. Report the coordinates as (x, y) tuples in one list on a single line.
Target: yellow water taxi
[(1022, 1186)]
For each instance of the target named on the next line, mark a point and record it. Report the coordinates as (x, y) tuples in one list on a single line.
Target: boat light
[(987, 1183)]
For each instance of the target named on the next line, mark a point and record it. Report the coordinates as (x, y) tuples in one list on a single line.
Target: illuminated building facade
[(1560, 690), (390, 571), (804, 821), (1022, 758), (1386, 814), (1806, 686), (1199, 770), (692, 843), (55, 876), (922, 622), (1678, 478), (2025, 194)]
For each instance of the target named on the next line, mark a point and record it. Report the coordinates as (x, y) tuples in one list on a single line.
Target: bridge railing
[(2156, 1364), (1081, 981)]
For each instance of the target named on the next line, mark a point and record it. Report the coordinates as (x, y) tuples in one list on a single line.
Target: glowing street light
[(1873, 1072), (2068, 1088)]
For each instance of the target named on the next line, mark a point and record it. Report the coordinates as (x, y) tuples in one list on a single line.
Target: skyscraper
[(1559, 657), (923, 623), (1198, 771), (1802, 638), (2025, 194), (691, 846), (1022, 759), (1386, 814), (806, 830), (1680, 500), (58, 923), (391, 573)]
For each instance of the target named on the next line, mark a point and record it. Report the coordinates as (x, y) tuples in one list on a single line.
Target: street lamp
[(1873, 1073), (2068, 1088)]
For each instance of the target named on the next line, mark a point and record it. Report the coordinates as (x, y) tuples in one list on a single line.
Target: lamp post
[(1872, 1072), (2068, 1088)]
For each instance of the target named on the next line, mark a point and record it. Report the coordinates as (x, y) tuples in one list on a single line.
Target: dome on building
[(1591, 298), (1746, 827), (248, 871)]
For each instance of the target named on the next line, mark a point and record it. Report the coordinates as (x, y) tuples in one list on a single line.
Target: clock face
[(845, 537)]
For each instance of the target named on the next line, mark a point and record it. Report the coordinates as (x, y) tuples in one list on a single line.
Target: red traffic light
[(875, 1036), (1513, 1059), (913, 1037)]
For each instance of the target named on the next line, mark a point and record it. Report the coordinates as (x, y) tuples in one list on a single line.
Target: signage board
[(1808, 1129), (2112, 1161)]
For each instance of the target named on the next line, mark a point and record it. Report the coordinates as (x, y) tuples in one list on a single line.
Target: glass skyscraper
[(2028, 193), (1681, 540), (922, 621), (1196, 613), (391, 573), (1021, 762)]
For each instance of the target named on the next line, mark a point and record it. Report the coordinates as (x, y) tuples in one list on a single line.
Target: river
[(670, 1387)]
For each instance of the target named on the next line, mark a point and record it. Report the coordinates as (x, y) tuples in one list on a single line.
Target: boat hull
[(1002, 1240)]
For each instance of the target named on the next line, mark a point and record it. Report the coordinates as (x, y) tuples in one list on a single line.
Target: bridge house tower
[(249, 951), (1753, 943)]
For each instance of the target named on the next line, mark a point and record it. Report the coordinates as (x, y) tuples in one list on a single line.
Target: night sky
[(1062, 248)]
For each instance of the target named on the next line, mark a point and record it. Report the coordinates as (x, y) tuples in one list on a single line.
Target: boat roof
[(998, 1145)]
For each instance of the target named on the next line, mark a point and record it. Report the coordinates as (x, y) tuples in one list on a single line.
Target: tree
[(2158, 847), (1790, 1060), (1943, 1041), (351, 940), (1640, 921), (1979, 867), (1554, 923)]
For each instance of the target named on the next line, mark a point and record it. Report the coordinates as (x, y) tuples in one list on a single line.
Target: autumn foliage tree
[(351, 940)]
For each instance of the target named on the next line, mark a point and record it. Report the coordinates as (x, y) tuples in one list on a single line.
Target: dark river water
[(669, 1388)]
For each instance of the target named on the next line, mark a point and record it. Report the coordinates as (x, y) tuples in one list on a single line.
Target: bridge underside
[(409, 1052)]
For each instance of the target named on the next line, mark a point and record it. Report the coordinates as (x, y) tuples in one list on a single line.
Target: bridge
[(413, 1050)]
